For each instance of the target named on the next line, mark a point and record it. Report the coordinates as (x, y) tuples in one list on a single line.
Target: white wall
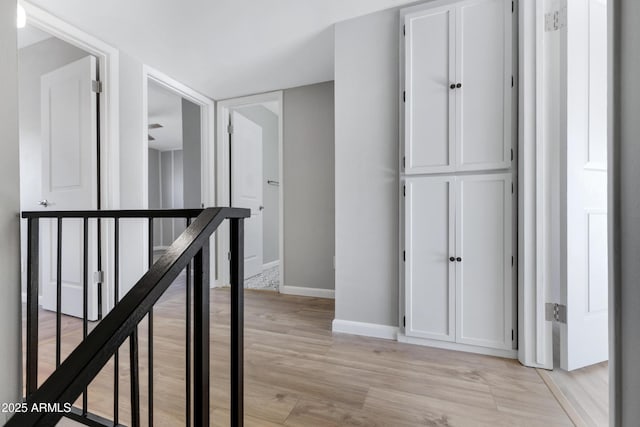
[(268, 121), (10, 306), (366, 168), (309, 214)]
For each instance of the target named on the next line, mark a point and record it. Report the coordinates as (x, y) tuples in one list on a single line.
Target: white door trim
[(223, 176), (109, 71), (207, 145)]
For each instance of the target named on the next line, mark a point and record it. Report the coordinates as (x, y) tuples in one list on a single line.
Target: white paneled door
[(584, 337), (69, 182), (430, 257), (484, 266), (246, 187), (458, 87)]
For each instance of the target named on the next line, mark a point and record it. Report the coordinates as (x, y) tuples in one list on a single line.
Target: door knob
[(452, 259), (44, 203), (458, 259)]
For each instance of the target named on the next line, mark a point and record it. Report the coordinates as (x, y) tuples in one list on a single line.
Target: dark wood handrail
[(74, 374)]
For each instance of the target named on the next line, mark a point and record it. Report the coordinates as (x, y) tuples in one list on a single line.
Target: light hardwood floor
[(583, 393), (297, 373)]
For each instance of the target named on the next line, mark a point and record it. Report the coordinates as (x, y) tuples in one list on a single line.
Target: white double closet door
[(459, 259)]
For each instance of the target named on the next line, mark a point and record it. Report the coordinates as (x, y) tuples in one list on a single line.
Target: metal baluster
[(116, 298), (59, 293), (85, 295), (135, 378), (237, 321), (188, 343), (150, 318), (201, 337), (33, 275)]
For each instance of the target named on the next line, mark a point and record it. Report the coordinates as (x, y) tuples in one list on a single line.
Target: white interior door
[(69, 182), (484, 261), (246, 187), (429, 103), (584, 338), (429, 245), (484, 73)]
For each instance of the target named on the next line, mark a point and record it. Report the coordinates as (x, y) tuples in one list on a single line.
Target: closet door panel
[(483, 274), (429, 241), (484, 71), (429, 103)]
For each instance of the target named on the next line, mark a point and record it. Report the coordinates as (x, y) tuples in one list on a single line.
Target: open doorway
[(59, 152), (250, 171), (576, 68)]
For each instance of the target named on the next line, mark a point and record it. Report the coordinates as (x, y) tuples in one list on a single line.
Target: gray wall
[(624, 212), (10, 362), (154, 191), (309, 195), (191, 151), (268, 121), (366, 162)]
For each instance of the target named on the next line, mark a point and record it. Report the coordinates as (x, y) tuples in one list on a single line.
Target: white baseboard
[(365, 329), (445, 345), (271, 264), (307, 292)]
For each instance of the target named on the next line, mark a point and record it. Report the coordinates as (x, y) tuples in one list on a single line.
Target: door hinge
[(555, 20), (555, 312), (404, 191), (98, 277), (404, 30), (512, 6), (404, 321), (230, 129), (512, 188), (512, 154), (404, 96), (96, 86), (229, 256), (511, 260), (404, 162), (511, 81), (512, 335), (404, 255)]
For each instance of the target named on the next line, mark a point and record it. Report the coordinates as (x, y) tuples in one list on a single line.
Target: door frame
[(207, 146), (109, 129), (224, 178)]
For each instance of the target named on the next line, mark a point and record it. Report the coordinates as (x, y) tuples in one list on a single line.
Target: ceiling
[(165, 108), (223, 48)]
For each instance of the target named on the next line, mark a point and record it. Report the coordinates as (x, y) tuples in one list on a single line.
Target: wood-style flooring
[(583, 393), (298, 373)]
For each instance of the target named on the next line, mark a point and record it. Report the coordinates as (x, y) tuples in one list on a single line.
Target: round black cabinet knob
[(459, 85), (458, 259), (453, 86), (452, 259)]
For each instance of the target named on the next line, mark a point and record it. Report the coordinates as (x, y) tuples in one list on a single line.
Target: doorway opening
[(59, 160), (250, 176)]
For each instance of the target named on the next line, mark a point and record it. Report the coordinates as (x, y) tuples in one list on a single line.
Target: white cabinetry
[(458, 266), (457, 230), (458, 87)]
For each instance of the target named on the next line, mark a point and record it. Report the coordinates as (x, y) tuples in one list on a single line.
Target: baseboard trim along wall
[(271, 264), (508, 354), (365, 329), (307, 292)]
